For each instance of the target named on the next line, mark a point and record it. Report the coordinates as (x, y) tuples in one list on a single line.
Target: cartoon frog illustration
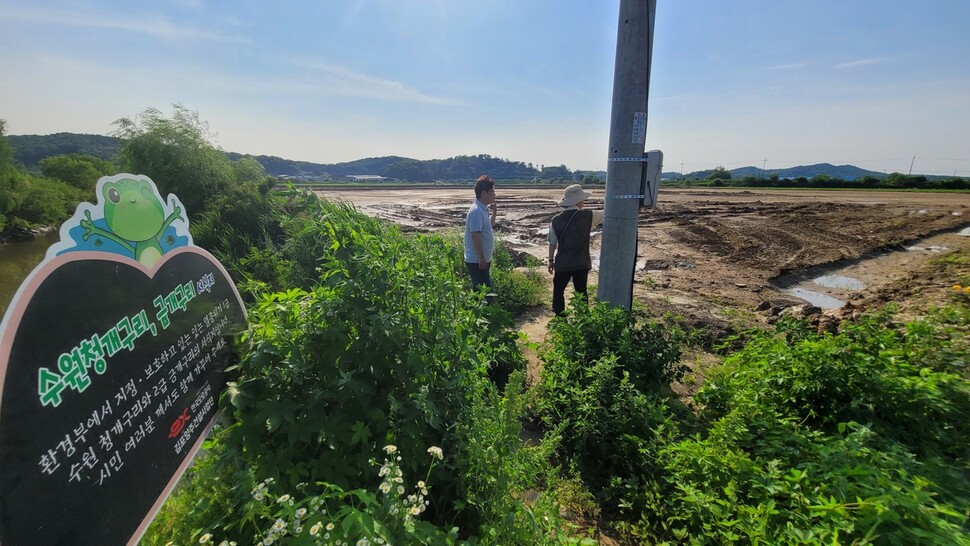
[(135, 217)]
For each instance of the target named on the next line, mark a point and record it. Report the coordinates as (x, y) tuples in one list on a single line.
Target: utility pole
[(626, 165), (763, 165), (911, 165)]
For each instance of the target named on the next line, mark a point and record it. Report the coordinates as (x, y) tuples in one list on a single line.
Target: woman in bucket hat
[(569, 234)]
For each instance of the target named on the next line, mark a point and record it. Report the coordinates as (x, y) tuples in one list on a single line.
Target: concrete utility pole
[(628, 127)]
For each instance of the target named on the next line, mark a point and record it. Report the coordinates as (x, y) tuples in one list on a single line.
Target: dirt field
[(713, 255)]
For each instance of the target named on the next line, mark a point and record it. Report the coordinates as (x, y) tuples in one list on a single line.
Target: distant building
[(365, 178)]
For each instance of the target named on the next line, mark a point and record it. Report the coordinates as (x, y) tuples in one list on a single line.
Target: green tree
[(822, 181), (231, 211), (176, 154), (80, 171), (409, 169), (719, 173), (560, 172), (11, 180), (46, 201)]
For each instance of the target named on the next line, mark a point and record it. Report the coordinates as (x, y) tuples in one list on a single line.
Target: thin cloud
[(161, 27), (340, 80), (863, 62), (787, 66)]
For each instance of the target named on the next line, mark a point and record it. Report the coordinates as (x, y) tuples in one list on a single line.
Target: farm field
[(707, 253)]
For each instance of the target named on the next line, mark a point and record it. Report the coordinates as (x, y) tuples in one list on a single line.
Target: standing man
[(479, 238), (569, 232)]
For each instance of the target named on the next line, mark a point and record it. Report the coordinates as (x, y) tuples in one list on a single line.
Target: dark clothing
[(480, 277), (559, 282), (572, 261), (572, 229)]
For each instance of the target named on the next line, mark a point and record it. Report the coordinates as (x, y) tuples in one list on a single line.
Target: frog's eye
[(114, 196)]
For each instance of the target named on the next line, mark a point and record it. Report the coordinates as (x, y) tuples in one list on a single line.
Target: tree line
[(721, 177), (31, 150)]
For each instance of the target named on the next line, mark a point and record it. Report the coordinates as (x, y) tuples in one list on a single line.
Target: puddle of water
[(931, 248), (873, 272), (816, 298), (956, 213), (543, 231), (839, 282)]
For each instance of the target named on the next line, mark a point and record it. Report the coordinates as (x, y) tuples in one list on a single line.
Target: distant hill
[(31, 149), (843, 172), (401, 168)]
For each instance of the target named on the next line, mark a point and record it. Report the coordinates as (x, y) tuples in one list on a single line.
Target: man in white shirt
[(479, 238)]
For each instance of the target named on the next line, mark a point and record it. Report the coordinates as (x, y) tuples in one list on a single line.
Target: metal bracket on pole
[(651, 165), (640, 159)]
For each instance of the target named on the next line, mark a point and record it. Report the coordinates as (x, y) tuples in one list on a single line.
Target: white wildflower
[(436, 452), (316, 528), (205, 538), (390, 448)]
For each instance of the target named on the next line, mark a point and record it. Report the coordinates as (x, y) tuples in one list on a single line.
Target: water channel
[(17, 260), (833, 287)]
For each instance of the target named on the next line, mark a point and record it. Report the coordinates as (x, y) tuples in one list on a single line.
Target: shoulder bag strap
[(559, 236)]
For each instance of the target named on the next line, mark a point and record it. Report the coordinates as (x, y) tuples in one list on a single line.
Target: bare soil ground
[(721, 258), (707, 249)]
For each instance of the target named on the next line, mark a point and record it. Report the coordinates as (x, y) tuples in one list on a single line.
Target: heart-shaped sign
[(110, 375)]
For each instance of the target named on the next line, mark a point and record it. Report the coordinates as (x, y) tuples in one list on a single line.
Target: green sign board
[(112, 358)]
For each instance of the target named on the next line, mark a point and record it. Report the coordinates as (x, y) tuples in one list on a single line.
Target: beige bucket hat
[(572, 195)]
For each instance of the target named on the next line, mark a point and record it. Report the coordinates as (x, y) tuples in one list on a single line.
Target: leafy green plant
[(820, 439), (602, 391), (336, 516), (871, 373), (388, 345)]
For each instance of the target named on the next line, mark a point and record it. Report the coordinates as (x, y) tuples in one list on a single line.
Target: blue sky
[(771, 83)]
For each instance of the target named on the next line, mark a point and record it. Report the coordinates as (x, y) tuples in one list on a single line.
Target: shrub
[(602, 390), (872, 373), (388, 346)]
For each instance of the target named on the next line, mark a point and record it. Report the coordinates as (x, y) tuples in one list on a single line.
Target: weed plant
[(799, 438), (386, 346), (821, 439), (603, 391)]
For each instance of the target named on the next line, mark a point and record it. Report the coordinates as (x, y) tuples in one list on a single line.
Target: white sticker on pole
[(639, 127)]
